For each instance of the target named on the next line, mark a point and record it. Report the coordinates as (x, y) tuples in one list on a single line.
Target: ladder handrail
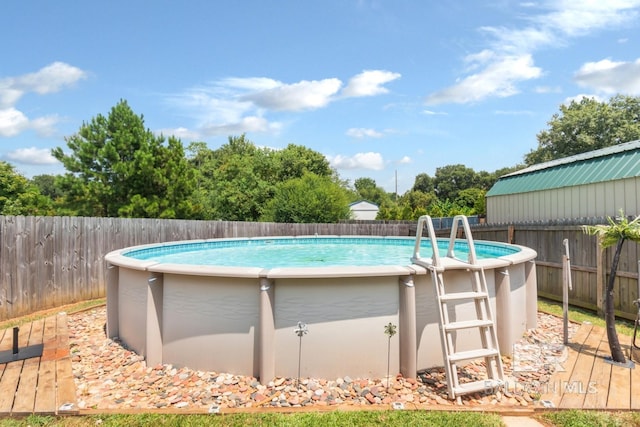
[(435, 257), (472, 259)]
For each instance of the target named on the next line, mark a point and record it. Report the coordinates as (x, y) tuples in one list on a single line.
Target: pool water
[(306, 252)]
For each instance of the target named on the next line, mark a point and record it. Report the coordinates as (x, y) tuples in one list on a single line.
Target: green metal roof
[(616, 162)]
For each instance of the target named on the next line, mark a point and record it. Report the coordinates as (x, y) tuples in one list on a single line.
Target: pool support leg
[(408, 328), (154, 319), (112, 280), (531, 288), (503, 310), (267, 365)]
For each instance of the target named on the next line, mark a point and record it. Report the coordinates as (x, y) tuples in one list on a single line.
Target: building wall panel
[(592, 200)]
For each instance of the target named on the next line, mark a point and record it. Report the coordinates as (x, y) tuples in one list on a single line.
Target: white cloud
[(498, 79), (433, 113), (576, 18), (370, 160), (241, 105), (12, 122), (44, 126), (369, 83), (579, 98), (254, 84), (50, 79), (9, 96), (180, 132), (514, 112), (304, 95), (245, 124), (405, 160), (550, 24), (610, 77), (32, 156), (547, 89), (364, 133)]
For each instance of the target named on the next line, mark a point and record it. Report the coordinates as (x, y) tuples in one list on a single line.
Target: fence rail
[(47, 262)]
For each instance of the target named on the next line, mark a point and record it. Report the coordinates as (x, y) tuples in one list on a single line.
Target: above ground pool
[(316, 251), (235, 305)]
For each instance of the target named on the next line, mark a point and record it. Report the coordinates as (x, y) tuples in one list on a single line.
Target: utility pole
[(396, 185)]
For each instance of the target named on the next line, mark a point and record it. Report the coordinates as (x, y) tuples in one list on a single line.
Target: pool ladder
[(483, 322)]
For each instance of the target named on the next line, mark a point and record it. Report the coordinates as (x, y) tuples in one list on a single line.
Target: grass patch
[(307, 419), (575, 418), (69, 308), (580, 315)]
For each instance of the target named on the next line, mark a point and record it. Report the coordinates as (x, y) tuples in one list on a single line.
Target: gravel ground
[(109, 376)]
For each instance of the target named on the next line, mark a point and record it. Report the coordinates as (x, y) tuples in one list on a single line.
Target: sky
[(384, 89)]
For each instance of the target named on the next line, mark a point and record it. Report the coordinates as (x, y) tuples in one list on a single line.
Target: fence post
[(566, 287), (599, 278)]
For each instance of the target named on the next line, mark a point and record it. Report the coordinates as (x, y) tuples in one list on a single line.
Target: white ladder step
[(473, 354), (463, 295), (476, 386), (467, 324)]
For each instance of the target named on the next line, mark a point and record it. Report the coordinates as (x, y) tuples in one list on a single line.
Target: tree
[(237, 180), (614, 234), (472, 199), (309, 199), (116, 167), (413, 204), (173, 182), (423, 183), (47, 186), (388, 211), (296, 160), (587, 125), (367, 189), (20, 197), (450, 179)]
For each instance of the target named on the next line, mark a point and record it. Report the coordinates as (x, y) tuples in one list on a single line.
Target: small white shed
[(364, 210)]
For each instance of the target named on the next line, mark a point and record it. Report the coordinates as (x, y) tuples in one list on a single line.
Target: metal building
[(598, 183)]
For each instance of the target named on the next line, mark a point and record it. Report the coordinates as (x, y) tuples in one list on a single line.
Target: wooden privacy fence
[(590, 266), (47, 262)]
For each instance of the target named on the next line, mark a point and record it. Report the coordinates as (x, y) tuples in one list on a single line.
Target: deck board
[(27, 387), (575, 389), (5, 344), (25, 395), (619, 388), (598, 391), (66, 390), (9, 385), (555, 387), (45, 402)]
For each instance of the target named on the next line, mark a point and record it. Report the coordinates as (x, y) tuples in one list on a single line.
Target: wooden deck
[(588, 381), (42, 384)]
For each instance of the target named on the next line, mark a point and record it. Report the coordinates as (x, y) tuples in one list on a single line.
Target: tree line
[(115, 167)]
